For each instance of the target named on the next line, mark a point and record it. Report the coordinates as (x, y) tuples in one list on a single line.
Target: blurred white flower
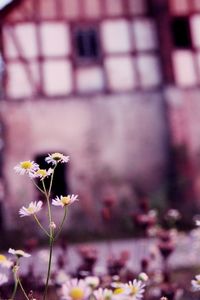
[(52, 225), (173, 214), (41, 173), (56, 157), (135, 289), (196, 283), (92, 281), (3, 278), (26, 167), (18, 253), (64, 200), (4, 262), (103, 294), (143, 276), (75, 290), (32, 209)]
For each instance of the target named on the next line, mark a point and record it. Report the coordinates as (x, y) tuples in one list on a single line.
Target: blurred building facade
[(108, 82)]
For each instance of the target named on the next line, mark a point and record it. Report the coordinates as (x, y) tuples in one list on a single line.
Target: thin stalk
[(15, 270), (21, 286), (51, 181), (49, 268), (15, 289), (51, 232), (40, 225), (38, 187), (49, 207), (62, 223)]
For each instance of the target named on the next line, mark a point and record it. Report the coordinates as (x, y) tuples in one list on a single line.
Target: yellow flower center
[(2, 258), (57, 156), (134, 290), (198, 282), (30, 209), (118, 291), (41, 172), (76, 293), (65, 200), (26, 165)]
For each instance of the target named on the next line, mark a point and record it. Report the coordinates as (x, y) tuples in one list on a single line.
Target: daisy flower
[(56, 157), (64, 200), (41, 173), (75, 290), (197, 222), (196, 283), (135, 289), (26, 167), (32, 209), (18, 253), (4, 262), (103, 294), (143, 276), (3, 278), (92, 281)]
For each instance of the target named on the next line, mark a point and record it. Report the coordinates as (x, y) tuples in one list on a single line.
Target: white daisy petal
[(56, 157), (33, 208), (3, 278), (26, 167), (18, 253), (64, 200)]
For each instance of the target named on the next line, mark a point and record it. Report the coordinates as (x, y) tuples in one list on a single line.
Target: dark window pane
[(87, 44), (59, 186), (181, 32)]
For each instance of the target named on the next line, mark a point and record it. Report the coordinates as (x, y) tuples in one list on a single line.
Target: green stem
[(49, 268), (15, 289), (51, 181), (38, 187), (49, 207), (25, 294), (40, 225), (62, 223)]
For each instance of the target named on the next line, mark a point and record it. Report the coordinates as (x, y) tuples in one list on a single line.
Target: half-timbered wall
[(89, 76), (41, 55), (185, 24)]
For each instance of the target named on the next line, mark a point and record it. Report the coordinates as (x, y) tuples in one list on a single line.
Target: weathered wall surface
[(115, 142)]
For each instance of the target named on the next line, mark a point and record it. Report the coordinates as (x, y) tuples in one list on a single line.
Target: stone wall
[(115, 143)]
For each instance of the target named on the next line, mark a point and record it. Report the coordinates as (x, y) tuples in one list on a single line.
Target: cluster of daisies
[(74, 289), (6, 263), (34, 171), (90, 287)]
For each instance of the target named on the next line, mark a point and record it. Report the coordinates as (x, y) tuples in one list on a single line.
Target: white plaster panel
[(149, 70), (26, 36), (137, 7), (90, 79), (195, 26), (55, 38), (113, 7), (120, 73), (184, 68), (196, 4), (115, 36), (10, 50), (92, 8), (145, 34), (18, 84), (70, 9), (57, 77), (179, 7)]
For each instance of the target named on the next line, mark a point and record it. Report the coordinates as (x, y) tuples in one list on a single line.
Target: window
[(87, 46), (59, 186), (181, 34)]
